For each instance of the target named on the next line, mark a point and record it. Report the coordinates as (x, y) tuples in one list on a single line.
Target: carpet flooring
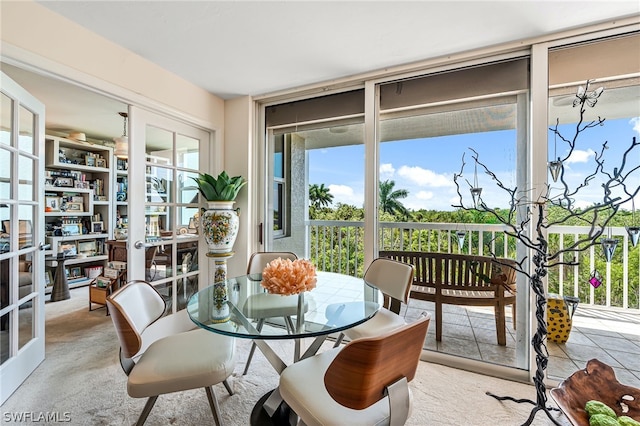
[(82, 383)]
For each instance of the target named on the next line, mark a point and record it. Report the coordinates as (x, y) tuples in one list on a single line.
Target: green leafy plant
[(221, 188)]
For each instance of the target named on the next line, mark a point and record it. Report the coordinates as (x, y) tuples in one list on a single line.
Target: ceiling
[(235, 48)]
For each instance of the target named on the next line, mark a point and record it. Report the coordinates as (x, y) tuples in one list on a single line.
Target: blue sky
[(425, 167)]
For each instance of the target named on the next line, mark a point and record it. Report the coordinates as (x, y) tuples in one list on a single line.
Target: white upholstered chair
[(162, 355), (366, 382), (264, 305), (394, 280)]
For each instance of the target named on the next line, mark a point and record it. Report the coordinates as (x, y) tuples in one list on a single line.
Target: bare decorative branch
[(617, 190)]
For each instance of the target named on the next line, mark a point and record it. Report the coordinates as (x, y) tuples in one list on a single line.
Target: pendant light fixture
[(122, 142)]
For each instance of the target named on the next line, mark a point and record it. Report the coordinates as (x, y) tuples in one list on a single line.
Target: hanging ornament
[(554, 168), (475, 194), (461, 236), (476, 190), (596, 279), (633, 232), (608, 247)]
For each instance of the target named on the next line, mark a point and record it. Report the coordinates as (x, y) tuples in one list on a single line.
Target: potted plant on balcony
[(219, 222)]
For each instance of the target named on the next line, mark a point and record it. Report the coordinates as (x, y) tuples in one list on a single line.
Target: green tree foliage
[(389, 199), (319, 196)]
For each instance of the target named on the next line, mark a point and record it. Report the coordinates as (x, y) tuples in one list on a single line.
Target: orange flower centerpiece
[(287, 277)]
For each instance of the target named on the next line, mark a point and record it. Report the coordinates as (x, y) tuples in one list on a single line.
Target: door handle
[(43, 246), (139, 245)]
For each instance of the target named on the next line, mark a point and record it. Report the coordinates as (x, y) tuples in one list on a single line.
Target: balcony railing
[(337, 246)]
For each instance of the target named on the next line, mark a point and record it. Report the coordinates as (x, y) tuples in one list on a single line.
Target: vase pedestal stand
[(220, 265), (220, 308)]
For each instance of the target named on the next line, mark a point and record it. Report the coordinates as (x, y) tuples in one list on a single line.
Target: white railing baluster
[(442, 237)]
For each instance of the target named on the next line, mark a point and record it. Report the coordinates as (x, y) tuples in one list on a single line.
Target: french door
[(163, 244), (21, 257)]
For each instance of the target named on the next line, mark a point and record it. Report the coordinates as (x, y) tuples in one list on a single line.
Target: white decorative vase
[(219, 225)]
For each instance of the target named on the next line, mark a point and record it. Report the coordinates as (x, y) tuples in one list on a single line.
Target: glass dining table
[(338, 302)]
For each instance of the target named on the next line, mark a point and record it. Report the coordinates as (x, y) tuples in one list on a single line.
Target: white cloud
[(424, 195), (386, 171), (346, 195), (424, 177), (635, 122), (580, 156)]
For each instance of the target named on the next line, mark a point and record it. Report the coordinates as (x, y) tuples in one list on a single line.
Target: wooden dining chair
[(160, 355), (262, 306), (394, 280), (366, 382)]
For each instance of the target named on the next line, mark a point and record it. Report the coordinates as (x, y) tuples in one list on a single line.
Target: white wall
[(36, 36), (239, 153)]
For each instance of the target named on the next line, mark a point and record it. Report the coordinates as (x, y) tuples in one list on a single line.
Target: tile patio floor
[(612, 336)]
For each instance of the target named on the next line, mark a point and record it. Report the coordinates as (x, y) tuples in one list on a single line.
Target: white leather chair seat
[(266, 305), (302, 386), (197, 360), (382, 322)]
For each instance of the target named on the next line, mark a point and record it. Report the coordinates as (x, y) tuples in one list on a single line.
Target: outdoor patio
[(610, 335)]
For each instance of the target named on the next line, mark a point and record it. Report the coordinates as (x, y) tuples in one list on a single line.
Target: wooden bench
[(459, 279)]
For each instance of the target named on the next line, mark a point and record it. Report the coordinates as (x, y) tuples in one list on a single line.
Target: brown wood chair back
[(133, 308), (357, 378)]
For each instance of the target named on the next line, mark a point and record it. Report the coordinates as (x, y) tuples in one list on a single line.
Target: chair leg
[(500, 324), (213, 403), (339, 340), (228, 387), (288, 322), (253, 347), (146, 410)]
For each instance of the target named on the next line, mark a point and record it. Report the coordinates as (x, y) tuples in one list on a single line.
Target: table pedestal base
[(259, 416), (60, 290)]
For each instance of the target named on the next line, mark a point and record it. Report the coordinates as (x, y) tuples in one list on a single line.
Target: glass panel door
[(163, 225), (21, 260), (316, 180), (430, 127)]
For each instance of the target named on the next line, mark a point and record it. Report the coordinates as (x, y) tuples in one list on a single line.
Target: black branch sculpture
[(527, 221)]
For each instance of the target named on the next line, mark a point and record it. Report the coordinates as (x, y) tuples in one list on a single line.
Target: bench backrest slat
[(457, 271)]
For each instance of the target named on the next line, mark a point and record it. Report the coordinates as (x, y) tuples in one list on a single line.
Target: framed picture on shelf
[(97, 227), (53, 203), (75, 207), (74, 272), (101, 162), (67, 249), (82, 184), (71, 229), (64, 182), (90, 160), (87, 247)]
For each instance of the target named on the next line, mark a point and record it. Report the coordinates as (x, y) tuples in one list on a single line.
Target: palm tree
[(319, 196), (388, 199)]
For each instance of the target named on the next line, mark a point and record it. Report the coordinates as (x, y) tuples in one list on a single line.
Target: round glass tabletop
[(241, 307)]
